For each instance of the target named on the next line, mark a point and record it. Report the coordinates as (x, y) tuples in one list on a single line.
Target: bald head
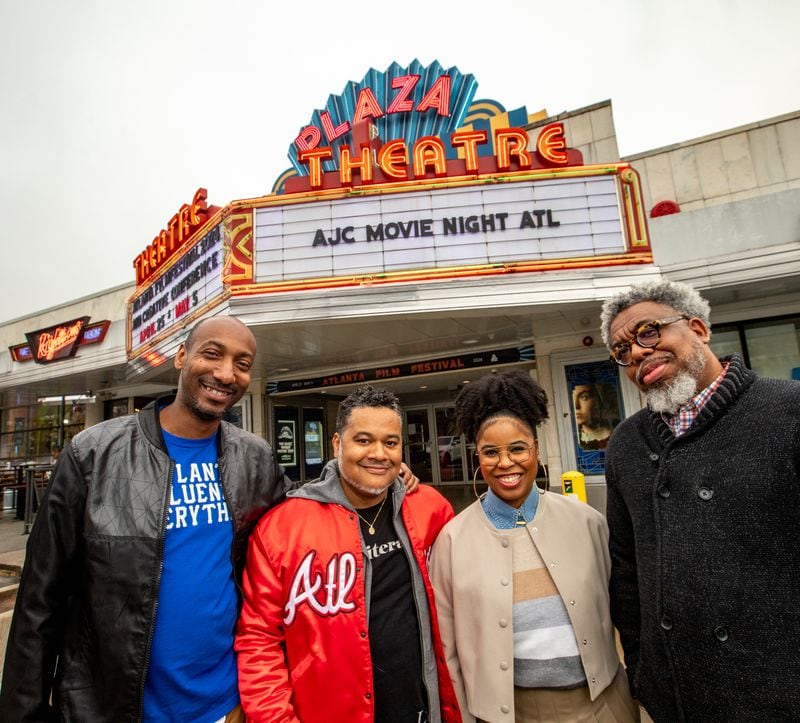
[(216, 322)]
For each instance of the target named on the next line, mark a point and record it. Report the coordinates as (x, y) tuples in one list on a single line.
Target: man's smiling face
[(215, 367)]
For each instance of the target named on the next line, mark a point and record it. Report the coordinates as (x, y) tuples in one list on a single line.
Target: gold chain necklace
[(371, 528)]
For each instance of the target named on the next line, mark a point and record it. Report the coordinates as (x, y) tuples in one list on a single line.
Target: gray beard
[(670, 396)]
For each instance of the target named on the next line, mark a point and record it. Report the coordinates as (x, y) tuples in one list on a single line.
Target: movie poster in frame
[(595, 410)]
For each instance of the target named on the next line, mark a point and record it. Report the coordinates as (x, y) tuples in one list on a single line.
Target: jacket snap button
[(504, 708), (503, 623), (504, 581), (368, 695), (664, 491), (666, 622), (721, 633), (504, 543), (653, 456), (705, 493), (504, 665)]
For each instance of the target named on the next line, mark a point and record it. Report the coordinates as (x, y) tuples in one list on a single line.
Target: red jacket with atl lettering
[(302, 639)]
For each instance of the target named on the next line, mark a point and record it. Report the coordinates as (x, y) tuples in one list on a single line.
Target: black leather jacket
[(86, 606)]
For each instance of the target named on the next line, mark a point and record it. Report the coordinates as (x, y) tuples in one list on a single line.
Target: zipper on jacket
[(229, 502), (409, 553), (157, 585)]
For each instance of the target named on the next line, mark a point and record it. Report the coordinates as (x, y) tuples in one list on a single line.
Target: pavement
[(12, 555)]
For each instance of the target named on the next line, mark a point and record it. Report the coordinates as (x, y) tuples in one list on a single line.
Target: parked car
[(449, 449)]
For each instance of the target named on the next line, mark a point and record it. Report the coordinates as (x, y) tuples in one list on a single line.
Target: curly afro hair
[(366, 396), (512, 393)]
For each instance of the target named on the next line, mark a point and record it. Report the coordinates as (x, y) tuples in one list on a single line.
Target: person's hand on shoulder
[(410, 480)]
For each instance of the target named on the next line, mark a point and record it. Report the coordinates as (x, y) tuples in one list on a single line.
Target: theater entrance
[(435, 452)]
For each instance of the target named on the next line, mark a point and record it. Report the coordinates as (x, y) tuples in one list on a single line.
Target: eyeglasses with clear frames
[(517, 453), (646, 336)]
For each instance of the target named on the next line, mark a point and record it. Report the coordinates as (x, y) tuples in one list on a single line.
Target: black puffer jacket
[(86, 606)]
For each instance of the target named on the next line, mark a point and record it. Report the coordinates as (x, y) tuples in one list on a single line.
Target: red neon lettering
[(552, 145), (469, 140), (308, 138), (314, 158), (183, 223), (402, 103), (367, 106), (62, 336), (509, 142), (429, 151), (199, 206), (363, 164), (437, 97), (332, 133), (393, 159)]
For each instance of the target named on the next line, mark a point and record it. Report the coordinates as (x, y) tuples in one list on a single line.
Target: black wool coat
[(705, 550)]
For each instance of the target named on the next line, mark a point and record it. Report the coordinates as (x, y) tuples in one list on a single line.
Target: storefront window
[(726, 341), (773, 349), (31, 432), (769, 347)]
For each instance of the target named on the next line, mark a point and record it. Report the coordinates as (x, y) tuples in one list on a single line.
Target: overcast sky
[(113, 113)]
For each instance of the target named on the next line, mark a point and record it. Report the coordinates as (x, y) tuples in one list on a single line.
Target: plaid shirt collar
[(682, 420)]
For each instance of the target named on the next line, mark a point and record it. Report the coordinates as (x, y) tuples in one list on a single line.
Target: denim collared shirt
[(503, 516)]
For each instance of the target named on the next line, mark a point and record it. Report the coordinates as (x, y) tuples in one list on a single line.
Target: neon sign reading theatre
[(414, 123)]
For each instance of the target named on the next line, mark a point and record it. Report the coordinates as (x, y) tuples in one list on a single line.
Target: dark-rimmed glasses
[(647, 335), (517, 453)]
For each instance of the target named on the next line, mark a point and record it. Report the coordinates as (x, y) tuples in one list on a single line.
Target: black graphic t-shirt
[(394, 637)]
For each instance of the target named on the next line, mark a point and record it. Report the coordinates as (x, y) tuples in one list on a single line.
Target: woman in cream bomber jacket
[(473, 582)]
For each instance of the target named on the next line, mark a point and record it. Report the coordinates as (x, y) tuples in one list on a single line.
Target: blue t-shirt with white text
[(192, 670)]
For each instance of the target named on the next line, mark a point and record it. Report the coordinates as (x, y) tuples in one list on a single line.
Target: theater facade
[(421, 238)]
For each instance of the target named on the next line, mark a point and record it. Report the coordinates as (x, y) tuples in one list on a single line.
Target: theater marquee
[(514, 222), (403, 177)]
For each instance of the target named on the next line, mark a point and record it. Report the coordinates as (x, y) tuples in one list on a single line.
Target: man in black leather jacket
[(92, 591)]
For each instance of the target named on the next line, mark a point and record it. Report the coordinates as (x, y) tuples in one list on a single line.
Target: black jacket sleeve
[(50, 571)]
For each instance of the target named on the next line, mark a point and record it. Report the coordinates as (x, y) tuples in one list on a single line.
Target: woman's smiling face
[(509, 458)]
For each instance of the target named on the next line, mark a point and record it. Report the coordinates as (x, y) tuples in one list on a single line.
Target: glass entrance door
[(418, 443), (450, 446), (434, 450)]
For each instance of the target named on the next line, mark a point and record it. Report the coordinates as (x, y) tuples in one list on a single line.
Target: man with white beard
[(704, 510)]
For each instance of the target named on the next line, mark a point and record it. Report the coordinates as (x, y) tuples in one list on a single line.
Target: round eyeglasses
[(517, 453), (647, 335)]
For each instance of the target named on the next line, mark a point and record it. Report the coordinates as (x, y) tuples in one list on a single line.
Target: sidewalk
[(12, 555)]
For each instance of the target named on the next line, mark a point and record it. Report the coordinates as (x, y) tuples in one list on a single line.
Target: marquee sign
[(180, 292), (468, 228), (403, 176), (406, 177), (188, 220)]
